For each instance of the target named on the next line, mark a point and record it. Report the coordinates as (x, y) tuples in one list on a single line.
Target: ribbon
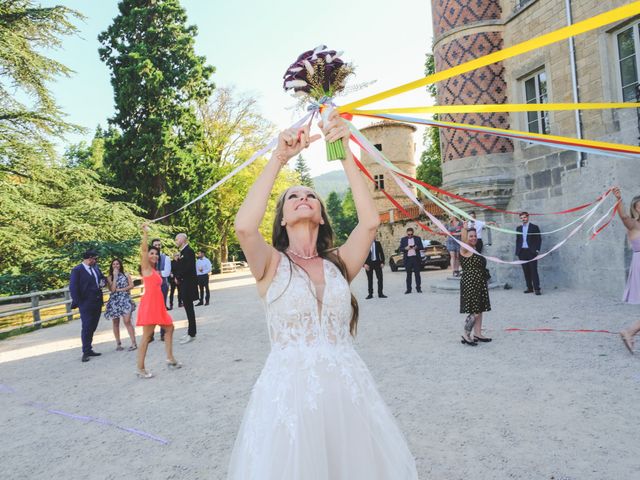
[(496, 108), (586, 146), (379, 158), (563, 33), (272, 144), (364, 143)]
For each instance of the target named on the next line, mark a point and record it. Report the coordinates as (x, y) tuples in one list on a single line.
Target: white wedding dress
[(315, 413)]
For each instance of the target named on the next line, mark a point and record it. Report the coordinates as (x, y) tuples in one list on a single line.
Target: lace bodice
[(296, 317)]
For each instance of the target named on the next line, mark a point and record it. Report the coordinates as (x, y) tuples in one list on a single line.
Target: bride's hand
[(292, 141), (335, 128)]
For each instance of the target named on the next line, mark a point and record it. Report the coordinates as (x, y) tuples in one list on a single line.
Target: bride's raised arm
[(355, 250), (258, 252)]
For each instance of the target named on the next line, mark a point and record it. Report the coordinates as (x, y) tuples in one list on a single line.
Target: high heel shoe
[(144, 374), (175, 365), (464, 341), (483, 340)]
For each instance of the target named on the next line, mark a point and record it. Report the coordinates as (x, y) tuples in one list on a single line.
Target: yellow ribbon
[(563, 33), (494, 108)]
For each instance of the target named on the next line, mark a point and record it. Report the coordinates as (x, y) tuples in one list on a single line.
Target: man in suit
[(528, 244), (85, 285), (185, 276), (374, 263), (164, 270), (410, 246)]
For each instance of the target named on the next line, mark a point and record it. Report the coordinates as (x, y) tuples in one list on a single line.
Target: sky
[(252, 42)]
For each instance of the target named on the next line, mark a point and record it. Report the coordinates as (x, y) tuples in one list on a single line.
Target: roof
[(389, 123)]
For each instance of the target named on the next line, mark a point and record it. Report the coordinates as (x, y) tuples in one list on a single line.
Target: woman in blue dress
[(120, 304)]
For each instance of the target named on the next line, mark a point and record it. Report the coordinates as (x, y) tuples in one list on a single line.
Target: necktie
[(93, 274), (373, 252)]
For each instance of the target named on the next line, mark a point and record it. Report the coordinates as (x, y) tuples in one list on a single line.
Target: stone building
[(598, 66), (396, 142)]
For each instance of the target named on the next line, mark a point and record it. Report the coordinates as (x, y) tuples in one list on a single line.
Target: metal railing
[(37, 310)]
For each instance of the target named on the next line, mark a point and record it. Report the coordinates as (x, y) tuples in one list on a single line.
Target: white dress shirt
[(203, 266)]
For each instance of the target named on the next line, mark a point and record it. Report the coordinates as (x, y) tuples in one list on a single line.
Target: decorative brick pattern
[(484, 85), (448, 14)]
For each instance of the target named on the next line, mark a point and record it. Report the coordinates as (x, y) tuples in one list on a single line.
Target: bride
[(314, 413)]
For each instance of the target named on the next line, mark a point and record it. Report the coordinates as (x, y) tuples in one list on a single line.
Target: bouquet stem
[(335, 151)]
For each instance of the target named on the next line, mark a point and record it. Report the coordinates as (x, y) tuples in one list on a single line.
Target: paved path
[(529, 405)]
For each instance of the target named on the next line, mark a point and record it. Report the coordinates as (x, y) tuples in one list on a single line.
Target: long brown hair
[(111, 268), (324, 246), (632, 209)]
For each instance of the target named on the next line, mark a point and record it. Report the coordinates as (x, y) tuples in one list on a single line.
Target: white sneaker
[(186, 339)]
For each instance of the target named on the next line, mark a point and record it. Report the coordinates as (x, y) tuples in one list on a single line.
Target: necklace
[(302, 256)]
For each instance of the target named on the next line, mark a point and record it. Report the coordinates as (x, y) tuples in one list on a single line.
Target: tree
[(336, 215), (349, 214), (50, 212), (430, 168), (157, 79), (302, 169)]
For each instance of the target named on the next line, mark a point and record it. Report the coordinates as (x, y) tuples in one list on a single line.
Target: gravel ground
[(529, 405)]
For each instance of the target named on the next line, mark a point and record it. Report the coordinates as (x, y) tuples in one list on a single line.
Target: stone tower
[(476, 166), (395, 141)]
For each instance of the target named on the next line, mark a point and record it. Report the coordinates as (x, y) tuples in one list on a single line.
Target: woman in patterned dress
[(474, 291), (455, 227), (632, 289), (120, 304)]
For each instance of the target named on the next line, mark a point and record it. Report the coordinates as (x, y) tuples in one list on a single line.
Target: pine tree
[(304, 172), (157, 79), (336, 215)]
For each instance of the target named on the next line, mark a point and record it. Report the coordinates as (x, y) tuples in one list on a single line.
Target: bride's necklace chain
[(304, 257)]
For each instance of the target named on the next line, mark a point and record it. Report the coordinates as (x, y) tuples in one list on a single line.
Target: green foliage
[(157, 80), (50, 209), (303, 171), (342, 214), (430, 168)]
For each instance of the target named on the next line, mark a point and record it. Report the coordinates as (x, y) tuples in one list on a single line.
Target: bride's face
[(301, 204)]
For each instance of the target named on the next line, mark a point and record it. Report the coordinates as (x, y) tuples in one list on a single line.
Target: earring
[(283, 223), (321, 221)]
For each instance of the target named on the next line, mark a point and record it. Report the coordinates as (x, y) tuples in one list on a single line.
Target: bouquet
[(320, 75)]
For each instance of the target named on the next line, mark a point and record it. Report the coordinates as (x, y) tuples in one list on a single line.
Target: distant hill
[(331, 181)]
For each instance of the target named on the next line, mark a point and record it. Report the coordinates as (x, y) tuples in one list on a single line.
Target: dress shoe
[(408, 291), (170, 308), (382, 295), (538, 292), (85, 357), (368, 297), (528, 291), (94, 354), (187, 339), (419, 290), (206, 304), (198, 304), (180, 305)]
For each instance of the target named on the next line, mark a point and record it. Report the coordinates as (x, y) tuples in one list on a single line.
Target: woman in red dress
[(152, 310)]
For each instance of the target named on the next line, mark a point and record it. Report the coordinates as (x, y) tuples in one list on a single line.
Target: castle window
[(378, 146), (379, 179), (627, 48), (535, 91)]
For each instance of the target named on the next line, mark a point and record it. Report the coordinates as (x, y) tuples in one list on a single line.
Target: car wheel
[(392, 266), (444, 266)]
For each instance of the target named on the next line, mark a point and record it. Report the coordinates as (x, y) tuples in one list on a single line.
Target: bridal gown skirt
[(315, 414)]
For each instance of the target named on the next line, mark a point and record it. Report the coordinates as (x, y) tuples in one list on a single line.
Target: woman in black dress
[(474, 291)]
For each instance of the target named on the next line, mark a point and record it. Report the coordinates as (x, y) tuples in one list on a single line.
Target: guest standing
[(85, 286), (454, 227), (632, 289), (120, 304), (172, 282), (374, 263), (164, 268), (478, 226), (528, 244), (186, 278), (152, 310), (411, 246), (203, 269)]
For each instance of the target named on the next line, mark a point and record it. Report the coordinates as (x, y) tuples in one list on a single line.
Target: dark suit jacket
[(186, 274), (83, 288), (379, 255), (534, 239), (404, 242)]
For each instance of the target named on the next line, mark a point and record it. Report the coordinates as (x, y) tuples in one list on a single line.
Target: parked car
[(434, 254)]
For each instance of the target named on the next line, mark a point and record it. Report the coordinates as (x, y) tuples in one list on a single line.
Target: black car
[(434, 254)]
